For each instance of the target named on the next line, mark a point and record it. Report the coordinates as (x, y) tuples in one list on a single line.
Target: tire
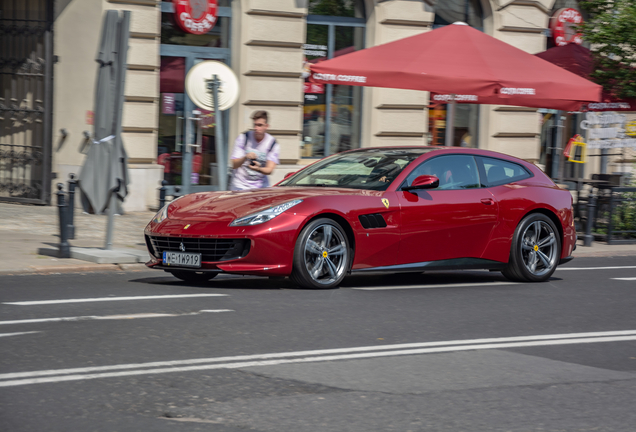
[(533, 258), (321, 255), (193, 277)]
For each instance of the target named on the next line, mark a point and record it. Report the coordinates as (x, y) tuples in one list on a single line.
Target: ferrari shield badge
[(186, 227), (385, 202)]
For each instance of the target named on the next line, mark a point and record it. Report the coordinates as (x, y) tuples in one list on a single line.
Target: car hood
[(220, 206)]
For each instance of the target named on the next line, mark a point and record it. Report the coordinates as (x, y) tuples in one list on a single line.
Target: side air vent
[(375, 220)]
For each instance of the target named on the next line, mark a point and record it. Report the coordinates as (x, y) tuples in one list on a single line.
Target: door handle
[(487, 201)]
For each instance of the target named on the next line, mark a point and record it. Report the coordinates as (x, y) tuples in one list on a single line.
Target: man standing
[(255, 155)]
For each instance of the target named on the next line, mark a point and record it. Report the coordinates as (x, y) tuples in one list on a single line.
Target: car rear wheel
[(193, 277), (321, 255), (535, 250)]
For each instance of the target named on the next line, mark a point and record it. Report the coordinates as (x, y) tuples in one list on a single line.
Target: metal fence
[(26, 75)]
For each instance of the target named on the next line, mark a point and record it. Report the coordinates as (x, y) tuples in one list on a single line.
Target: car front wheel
[(321, 255), (535, 250)]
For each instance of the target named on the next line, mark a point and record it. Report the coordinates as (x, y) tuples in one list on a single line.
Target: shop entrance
[(186, 136)]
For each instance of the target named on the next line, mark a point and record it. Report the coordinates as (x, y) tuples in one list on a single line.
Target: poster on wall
[(195, 16)]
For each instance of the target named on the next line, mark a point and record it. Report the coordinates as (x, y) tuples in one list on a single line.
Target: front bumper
[(271, 244)]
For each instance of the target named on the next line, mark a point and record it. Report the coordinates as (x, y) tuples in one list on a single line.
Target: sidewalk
[(25, 229)]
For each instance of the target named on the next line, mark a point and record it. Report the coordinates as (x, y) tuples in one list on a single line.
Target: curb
[(68, 269)]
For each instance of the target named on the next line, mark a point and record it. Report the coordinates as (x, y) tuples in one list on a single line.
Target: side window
[(500, 172), (453, 172)]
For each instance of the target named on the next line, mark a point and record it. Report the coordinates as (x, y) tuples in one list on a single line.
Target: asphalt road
[(448, 351)]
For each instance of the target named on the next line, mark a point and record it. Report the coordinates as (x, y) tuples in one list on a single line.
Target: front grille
[(375, 220), (210, 249)]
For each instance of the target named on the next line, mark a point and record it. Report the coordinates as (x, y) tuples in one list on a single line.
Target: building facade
[(269, 45)]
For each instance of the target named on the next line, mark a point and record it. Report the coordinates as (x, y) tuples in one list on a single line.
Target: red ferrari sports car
[(410, 209)]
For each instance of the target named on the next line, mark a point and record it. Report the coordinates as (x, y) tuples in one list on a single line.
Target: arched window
[(332, 113), (466, 119), (450, 11)]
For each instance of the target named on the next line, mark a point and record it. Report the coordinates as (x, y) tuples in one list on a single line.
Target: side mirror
[(289, 174), (423, 182)]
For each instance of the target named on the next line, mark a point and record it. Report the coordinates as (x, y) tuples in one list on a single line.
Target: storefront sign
[(315, 50), (607, 130), (168, 104), (195, 16), (314, 88), (564, 26)]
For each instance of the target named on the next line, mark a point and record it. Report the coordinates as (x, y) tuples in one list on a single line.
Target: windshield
[(372, 169)]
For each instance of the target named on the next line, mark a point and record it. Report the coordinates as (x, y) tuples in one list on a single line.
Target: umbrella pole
[(450, 122)]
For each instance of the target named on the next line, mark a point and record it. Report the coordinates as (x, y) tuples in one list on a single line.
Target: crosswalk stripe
[(111, 317), (595, 268), (106, 299), (399, 287), (17, 334)]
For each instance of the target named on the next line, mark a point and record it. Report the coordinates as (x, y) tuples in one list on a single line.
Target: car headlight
[(265, 215), (163, 213)]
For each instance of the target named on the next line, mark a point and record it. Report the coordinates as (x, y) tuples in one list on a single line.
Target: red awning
[(457, 59)]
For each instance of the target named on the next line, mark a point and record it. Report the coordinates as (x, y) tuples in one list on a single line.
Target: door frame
[(191, 54)]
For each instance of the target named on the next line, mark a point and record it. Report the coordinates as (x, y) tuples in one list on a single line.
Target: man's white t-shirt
[(243, 177)]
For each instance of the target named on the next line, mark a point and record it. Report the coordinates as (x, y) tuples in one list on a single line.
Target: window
[(450, 11), (500, 172), (332, 113), (370, 170), (453, 172), (466, 119)]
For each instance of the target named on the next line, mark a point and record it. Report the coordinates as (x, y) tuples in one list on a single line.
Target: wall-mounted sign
[(564, 24), (607, 130), (195, 16)]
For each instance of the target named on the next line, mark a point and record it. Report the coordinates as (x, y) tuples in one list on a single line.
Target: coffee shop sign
[(607, 130)]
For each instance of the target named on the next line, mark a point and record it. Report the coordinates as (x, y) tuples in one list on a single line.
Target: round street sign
[(195, 16), (563, 25)]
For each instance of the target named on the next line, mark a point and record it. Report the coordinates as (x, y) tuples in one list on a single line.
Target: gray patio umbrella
[(104, 175)]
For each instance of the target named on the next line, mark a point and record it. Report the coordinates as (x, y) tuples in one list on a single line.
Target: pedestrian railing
[(610, 216)]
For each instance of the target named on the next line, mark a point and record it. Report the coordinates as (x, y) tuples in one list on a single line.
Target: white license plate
[(182, 259)]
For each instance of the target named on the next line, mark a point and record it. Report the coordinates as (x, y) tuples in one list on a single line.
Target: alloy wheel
[(539, 248), (325, 254)]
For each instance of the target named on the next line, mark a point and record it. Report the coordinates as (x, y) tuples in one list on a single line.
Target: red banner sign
[(564, 26), (314, 88), (195, 16)]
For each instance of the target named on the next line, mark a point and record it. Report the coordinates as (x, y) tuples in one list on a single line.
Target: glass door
[(186, 136)]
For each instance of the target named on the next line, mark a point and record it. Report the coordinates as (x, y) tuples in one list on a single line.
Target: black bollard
[(162, 194), (72, 184), (591, 213), (64, 248)]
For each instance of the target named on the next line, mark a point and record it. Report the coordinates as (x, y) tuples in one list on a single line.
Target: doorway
[(186, 136)]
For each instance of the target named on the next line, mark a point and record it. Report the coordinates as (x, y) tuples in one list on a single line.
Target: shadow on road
[(411, 280)]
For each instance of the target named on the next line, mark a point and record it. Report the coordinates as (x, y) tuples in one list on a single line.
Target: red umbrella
[(578, 60), (459, 60)]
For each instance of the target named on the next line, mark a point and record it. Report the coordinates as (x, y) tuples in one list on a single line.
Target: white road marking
[(109, 317), (595, 268), (104, 299), (629, 278), (239, 365), (17, 334), (398, 287), (283, 358)]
